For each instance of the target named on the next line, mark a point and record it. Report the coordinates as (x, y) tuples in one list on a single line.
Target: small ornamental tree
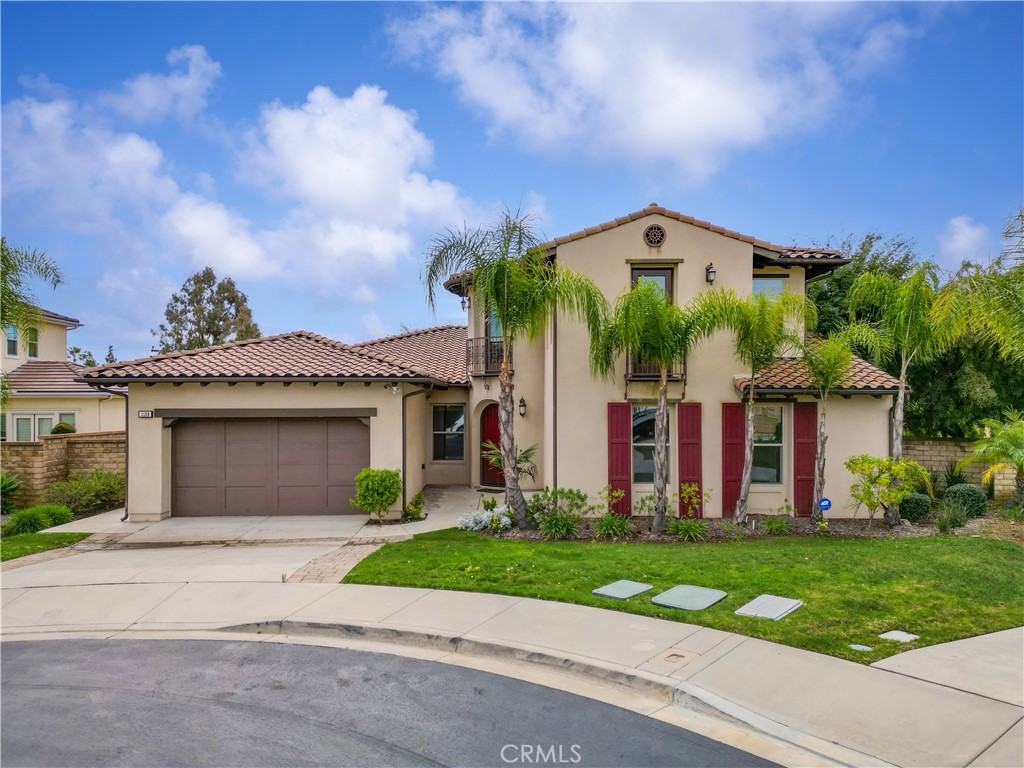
[(882, 483), (377, 490)]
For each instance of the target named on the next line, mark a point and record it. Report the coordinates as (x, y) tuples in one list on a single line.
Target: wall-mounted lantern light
[(709, 273), (522, 407)]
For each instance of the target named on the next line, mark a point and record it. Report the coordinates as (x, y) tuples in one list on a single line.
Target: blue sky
[(310, 150)]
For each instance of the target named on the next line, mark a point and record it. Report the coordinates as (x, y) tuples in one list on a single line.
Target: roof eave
[(108, 380), (808, 391)]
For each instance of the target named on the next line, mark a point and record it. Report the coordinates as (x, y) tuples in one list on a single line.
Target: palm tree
[(915, 328), (828, 366), (649, 328), (17, 302), (512, 278), (1003, 449), (764, 326)]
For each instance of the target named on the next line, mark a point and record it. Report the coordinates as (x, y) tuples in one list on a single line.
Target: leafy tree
[(873, 252), (110, 358), (513, 279), (83, 356), (907, 315), (18, 267), (763, 327), (649, 328), (828, 367), (205, 313), (1002, 449), (882, 483)]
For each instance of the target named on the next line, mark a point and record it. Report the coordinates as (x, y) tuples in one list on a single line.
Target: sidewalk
[(812, 701)]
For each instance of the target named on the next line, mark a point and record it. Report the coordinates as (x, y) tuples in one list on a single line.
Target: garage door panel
[(200, 501), (303, 499), (339, 496), (244, 500)]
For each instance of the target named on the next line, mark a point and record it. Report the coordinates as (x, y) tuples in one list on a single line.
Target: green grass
[(31, 543), (939, 588)]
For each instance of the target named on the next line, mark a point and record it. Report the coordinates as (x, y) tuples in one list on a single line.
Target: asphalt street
[(209, 703)]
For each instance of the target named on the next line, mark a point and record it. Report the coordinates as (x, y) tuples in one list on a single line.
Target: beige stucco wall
[(53, 345), (149, 461), (92, 414), (857, 425), (444, 472)]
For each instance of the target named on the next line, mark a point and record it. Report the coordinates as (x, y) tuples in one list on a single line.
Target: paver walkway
[(334, 566)]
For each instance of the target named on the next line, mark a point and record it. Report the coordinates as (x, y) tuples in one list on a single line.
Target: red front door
[(490, 431)]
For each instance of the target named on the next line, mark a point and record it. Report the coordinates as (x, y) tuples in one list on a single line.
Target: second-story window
[(660, 276), (32, 342), (492, 325), (12, 340)]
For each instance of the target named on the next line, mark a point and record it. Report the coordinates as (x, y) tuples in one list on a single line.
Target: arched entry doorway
[(490, 431)]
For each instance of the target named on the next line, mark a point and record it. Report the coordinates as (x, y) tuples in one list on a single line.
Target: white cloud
[(183, 94), (685, 83), (374, 326), (964, 238)]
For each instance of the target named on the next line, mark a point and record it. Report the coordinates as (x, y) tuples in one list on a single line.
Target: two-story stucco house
[(45, 386), (281, 425)]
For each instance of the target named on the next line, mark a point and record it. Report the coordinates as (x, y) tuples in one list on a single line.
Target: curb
[(681, 693)]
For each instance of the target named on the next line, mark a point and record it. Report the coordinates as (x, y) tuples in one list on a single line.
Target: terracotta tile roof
[(440, 351), (298, 355), (38, 377), (789, 375)]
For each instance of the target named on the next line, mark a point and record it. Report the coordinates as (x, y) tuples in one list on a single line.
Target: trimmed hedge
[(88, 492), (915, 507), (377, 490), (970, 496)]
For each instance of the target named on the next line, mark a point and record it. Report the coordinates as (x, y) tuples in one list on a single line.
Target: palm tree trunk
[(506, 404), (748, 460), (661, 455), (897, 414), (819, 467)]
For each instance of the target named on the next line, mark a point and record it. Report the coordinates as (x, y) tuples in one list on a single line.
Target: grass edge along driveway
[(853, 589), (12, 547)]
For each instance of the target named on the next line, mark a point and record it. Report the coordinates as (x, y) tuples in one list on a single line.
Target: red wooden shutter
[(690, 450), (805, 447), (620, 454), (733, 428)]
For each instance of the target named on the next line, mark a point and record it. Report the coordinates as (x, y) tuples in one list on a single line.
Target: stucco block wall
[(937, 455), (57, 457)]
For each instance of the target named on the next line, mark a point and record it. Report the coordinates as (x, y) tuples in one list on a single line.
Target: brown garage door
[(267, 466)]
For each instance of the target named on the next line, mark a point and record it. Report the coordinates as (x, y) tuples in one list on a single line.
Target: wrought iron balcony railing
[(637, 370), (484, 354)]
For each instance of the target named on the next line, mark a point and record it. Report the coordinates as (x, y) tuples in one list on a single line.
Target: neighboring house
[(281, 425), (47, 389)]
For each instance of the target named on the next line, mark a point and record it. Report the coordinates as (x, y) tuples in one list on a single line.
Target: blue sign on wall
[(825, 505)]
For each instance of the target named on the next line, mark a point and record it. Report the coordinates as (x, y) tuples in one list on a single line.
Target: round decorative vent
[(654, 235)]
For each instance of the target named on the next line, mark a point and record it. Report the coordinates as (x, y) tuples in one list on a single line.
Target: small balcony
[(637, 370), (483, 356)]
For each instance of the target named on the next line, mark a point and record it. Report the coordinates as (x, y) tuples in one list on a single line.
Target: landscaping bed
[(941, 588)]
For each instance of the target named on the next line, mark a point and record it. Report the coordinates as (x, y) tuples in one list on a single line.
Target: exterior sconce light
[(395, 389), (709, 273), (465, 303), (522, 407)]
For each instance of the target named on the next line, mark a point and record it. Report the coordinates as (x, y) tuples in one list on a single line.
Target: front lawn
[(853, 589), (31, 543)]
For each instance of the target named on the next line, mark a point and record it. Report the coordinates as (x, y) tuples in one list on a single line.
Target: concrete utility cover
[(858, 647), (769, 607), (899, 636), (622, 589), (688, 597)]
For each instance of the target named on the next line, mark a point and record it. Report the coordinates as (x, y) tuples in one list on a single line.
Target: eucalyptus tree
[(18, 268), (828, 364), (916, 329), (646, 326), (513, 278), (764, 327)]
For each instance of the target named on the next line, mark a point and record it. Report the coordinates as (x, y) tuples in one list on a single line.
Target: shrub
[(915, 507), (1014, 511), (970, 496), (37, 518), (609, 497), (690, 498), (560, 525), (644, 507), (954, 475), (62, 428), (612, 526), (9, 485), (952, 514), (490, 503), (87, 492), (822, 526), (55, 513), (775, 526), (556, 501), (377, 490), (484, 520), (688, 528), (414, 509)]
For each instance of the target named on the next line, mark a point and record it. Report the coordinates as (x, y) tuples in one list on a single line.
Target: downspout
[(125, 396), (405, 441), (554, 401)]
